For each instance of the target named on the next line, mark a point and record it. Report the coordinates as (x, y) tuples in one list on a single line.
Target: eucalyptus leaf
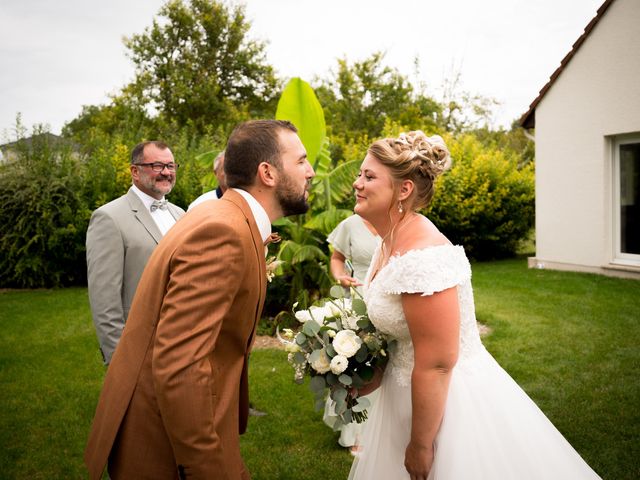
[(315, 355), (301, 338), (319, 404), (347, 416), (345, 379), (359, 306), (357, 381), (341, 407), (317, 384), (310, 328), (331, 379), (363, 323), (362, 353), (338, 424), (299, 357), (331, 351), (336, 291), (362, 405), (339, 394)]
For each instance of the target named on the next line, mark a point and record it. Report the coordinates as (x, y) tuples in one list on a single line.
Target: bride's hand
[(418, 460)]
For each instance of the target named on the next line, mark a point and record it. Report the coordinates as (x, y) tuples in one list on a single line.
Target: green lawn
[(572, 341)]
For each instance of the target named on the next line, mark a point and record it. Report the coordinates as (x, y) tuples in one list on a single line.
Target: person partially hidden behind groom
[(121, 237), (175, 397)]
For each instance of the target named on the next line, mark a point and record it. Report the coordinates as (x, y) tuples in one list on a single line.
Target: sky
[(56, 57)]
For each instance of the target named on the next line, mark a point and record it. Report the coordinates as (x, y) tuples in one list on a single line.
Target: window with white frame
[(627, 198)]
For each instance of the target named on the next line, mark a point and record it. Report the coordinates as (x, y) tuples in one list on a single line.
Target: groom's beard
[(292, 203)]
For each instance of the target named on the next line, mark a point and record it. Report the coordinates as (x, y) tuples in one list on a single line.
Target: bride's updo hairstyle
[(414, 156)]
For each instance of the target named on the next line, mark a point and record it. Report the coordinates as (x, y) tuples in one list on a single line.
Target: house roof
[(528, 120), (28, 141)]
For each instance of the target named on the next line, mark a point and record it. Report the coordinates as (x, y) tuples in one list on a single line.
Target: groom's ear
[(267, 174)]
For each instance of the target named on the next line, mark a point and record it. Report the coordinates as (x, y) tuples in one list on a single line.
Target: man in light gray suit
[(121, 237)]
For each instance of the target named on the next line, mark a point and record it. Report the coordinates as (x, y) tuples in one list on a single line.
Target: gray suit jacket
[(120, 239)]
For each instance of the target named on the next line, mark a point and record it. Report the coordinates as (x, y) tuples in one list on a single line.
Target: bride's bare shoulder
[(420, 235)]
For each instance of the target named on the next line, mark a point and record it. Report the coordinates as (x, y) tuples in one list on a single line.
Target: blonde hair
[(416, 157)]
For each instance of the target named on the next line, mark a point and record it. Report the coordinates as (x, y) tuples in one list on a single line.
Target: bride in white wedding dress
[(446, 410)]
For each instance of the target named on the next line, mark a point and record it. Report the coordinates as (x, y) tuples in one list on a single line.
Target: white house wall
[(596, 96)]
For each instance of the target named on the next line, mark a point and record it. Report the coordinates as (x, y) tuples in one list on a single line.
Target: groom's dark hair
[(250, 144)]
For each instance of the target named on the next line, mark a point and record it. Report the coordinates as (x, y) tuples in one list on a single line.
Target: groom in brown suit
[(175, 397)]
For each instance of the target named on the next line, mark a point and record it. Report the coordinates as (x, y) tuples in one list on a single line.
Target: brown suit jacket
[(175, 397)]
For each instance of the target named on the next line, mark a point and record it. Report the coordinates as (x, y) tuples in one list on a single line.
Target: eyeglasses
[(159, 166)]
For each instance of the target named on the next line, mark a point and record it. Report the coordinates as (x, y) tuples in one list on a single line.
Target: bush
[(484, 202), (107, 159), (43, 218)]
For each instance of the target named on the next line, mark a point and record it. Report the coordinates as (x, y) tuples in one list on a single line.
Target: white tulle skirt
[(491, 430)]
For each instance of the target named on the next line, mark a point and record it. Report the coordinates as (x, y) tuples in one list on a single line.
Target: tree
[(360, 97), (43, 217), (463, 111), (198, 67)]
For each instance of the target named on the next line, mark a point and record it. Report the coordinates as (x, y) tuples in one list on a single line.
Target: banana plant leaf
[(299, 104)]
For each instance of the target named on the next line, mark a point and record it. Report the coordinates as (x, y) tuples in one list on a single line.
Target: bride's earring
[(400, 209)]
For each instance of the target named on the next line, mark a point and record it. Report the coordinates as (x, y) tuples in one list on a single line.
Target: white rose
[(303, 316), (345, 303), (318, 314), (350, 321), (321, 362), (332, 309), (346, 343), (339, 364), (336, 307)]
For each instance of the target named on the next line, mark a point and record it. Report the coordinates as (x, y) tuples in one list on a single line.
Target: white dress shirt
[(211, 195), (163, 218)]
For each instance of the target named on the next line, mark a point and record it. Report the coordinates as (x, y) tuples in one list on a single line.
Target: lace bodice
[(427, 271)]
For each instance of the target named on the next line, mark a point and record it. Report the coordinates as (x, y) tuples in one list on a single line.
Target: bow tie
[(159, 204)]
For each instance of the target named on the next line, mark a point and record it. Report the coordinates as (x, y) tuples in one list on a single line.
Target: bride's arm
[(434, 325)]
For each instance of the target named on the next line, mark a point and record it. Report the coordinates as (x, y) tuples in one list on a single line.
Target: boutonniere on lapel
[(272, 263)]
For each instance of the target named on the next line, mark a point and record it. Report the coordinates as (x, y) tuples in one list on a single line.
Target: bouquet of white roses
[(339, 348)]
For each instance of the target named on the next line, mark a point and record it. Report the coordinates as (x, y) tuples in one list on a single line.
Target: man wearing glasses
[(121, 237)]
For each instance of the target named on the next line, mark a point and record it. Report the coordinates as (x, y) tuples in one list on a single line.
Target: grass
[(570, 340), (50, 374), (291, 442)]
